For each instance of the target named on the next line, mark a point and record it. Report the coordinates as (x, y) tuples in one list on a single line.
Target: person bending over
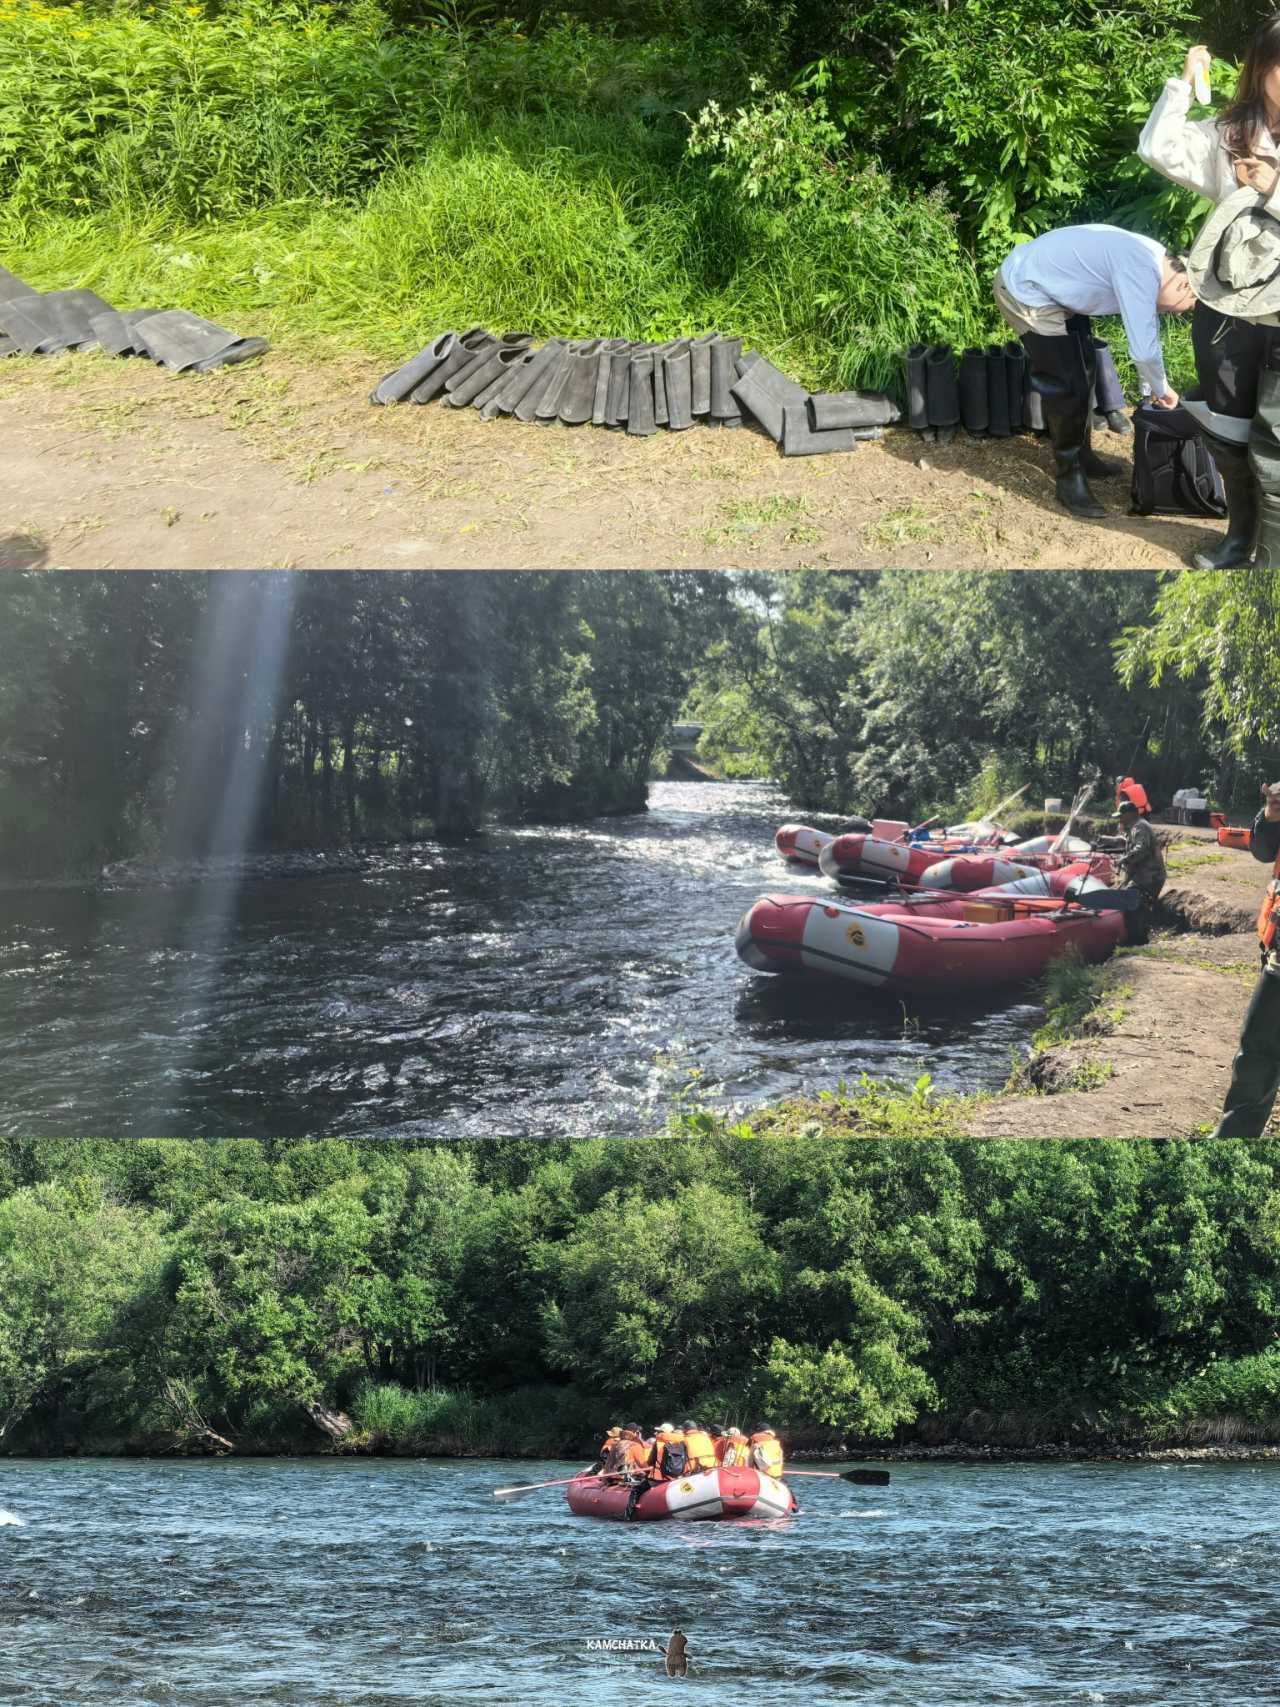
[(1047, 290), (1255, 1073)]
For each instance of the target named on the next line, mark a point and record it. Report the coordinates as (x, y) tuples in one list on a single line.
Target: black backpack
[(1173, 472)]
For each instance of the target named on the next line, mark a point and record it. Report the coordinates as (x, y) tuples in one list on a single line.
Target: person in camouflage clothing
[(1141, 863)]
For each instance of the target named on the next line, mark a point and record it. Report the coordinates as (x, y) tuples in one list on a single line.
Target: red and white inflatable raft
[(925, 946), (799, 844), (915, 863), (710, 1494)]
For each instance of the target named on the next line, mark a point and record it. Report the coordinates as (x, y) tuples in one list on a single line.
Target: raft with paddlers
[(710, 1494), (921, 945)]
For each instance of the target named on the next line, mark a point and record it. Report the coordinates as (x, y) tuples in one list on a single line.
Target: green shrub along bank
[(164, 1295), (832, 187)]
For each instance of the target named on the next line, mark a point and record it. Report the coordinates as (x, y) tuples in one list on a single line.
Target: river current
[(383, 1583), (536, 982)]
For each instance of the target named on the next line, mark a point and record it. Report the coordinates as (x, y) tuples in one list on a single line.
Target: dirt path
[(1160, 1061), (111, 464)]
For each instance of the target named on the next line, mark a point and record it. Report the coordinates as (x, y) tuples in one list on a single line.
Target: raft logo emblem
[(686, 1487), (856, 935)]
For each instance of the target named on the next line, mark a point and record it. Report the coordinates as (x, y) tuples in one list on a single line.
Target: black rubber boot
[(1109, 400), (997, 393), (942, 391), (917, 404), (633, 1499), (1241, 488), (1062, 374), (1095, 466), (974, 410), (1015, 372), (1068, 430)]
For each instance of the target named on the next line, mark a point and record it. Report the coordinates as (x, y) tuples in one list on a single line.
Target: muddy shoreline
[(1153, 1059)]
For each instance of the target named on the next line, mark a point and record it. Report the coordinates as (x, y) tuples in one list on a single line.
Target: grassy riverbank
[(351, 179)]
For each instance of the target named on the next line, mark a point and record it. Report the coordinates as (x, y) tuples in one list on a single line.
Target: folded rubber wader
[(1264, 455), (1062, 375), (975, 410)]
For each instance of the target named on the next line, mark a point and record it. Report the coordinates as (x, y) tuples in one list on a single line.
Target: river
[(322, 1583), (537, 982)]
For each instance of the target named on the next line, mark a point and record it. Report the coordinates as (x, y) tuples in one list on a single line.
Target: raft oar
[(532, 1487), (863, 1478)]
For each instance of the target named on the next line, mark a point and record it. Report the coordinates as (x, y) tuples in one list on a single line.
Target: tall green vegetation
[(137, 712), (513, 1295), (916, 694), (831, 181), (133, 716)]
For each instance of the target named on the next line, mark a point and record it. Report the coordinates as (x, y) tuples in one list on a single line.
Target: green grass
[(1074, 993), (347, 190), (865, 1110)]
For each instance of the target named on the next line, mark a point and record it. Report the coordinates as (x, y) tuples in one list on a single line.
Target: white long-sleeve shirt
[(1191, 152), (1097, 269)]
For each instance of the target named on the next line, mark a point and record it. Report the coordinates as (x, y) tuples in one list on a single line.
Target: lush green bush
[(491, 1296)]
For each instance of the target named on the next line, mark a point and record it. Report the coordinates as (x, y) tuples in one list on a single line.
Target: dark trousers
[(1230, 354), (1255, 1075)]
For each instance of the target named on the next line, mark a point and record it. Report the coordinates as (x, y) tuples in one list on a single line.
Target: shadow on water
[(539, 981)]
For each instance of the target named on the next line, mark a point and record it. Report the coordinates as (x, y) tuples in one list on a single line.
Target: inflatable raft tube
[(709, 1495), (800, 845), (941, 947), (870, 857)]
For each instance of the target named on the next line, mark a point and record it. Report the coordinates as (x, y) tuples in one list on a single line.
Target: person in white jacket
[(1216, 157)]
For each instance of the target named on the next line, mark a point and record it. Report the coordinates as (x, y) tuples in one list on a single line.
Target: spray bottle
[(1200, 85)]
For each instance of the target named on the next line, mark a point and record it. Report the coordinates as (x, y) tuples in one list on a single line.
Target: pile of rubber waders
[(989, 393), (41, 323), (634, 388)]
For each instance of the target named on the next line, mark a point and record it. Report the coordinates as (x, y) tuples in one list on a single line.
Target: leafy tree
[(69, 1263)]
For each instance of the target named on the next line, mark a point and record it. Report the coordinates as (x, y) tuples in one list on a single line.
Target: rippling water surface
[(326, 1584), (541, 981)]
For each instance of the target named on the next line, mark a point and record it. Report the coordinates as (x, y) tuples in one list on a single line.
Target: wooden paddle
[(532, 1487)]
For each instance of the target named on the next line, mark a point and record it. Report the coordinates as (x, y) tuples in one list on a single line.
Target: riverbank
[(284, 464), (1152, 1056)]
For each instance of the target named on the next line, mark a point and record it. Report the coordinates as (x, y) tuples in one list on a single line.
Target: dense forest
[(184, 714), (832, 180), (174, 715), (515, 1296)]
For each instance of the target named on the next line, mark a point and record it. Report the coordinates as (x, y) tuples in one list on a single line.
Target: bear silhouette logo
[(678, 1654)]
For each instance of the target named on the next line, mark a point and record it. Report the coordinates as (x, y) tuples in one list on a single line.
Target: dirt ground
[(1159, 1064), (285, 464)]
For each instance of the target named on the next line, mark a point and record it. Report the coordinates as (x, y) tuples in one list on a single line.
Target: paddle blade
[(866, 1478), (1108, 900), (512, 1493)]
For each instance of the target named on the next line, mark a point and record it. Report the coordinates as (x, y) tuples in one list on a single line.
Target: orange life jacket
[(700, 1451), (1128, 789), (1269, 912), (737, 1455), (766, 1454)]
